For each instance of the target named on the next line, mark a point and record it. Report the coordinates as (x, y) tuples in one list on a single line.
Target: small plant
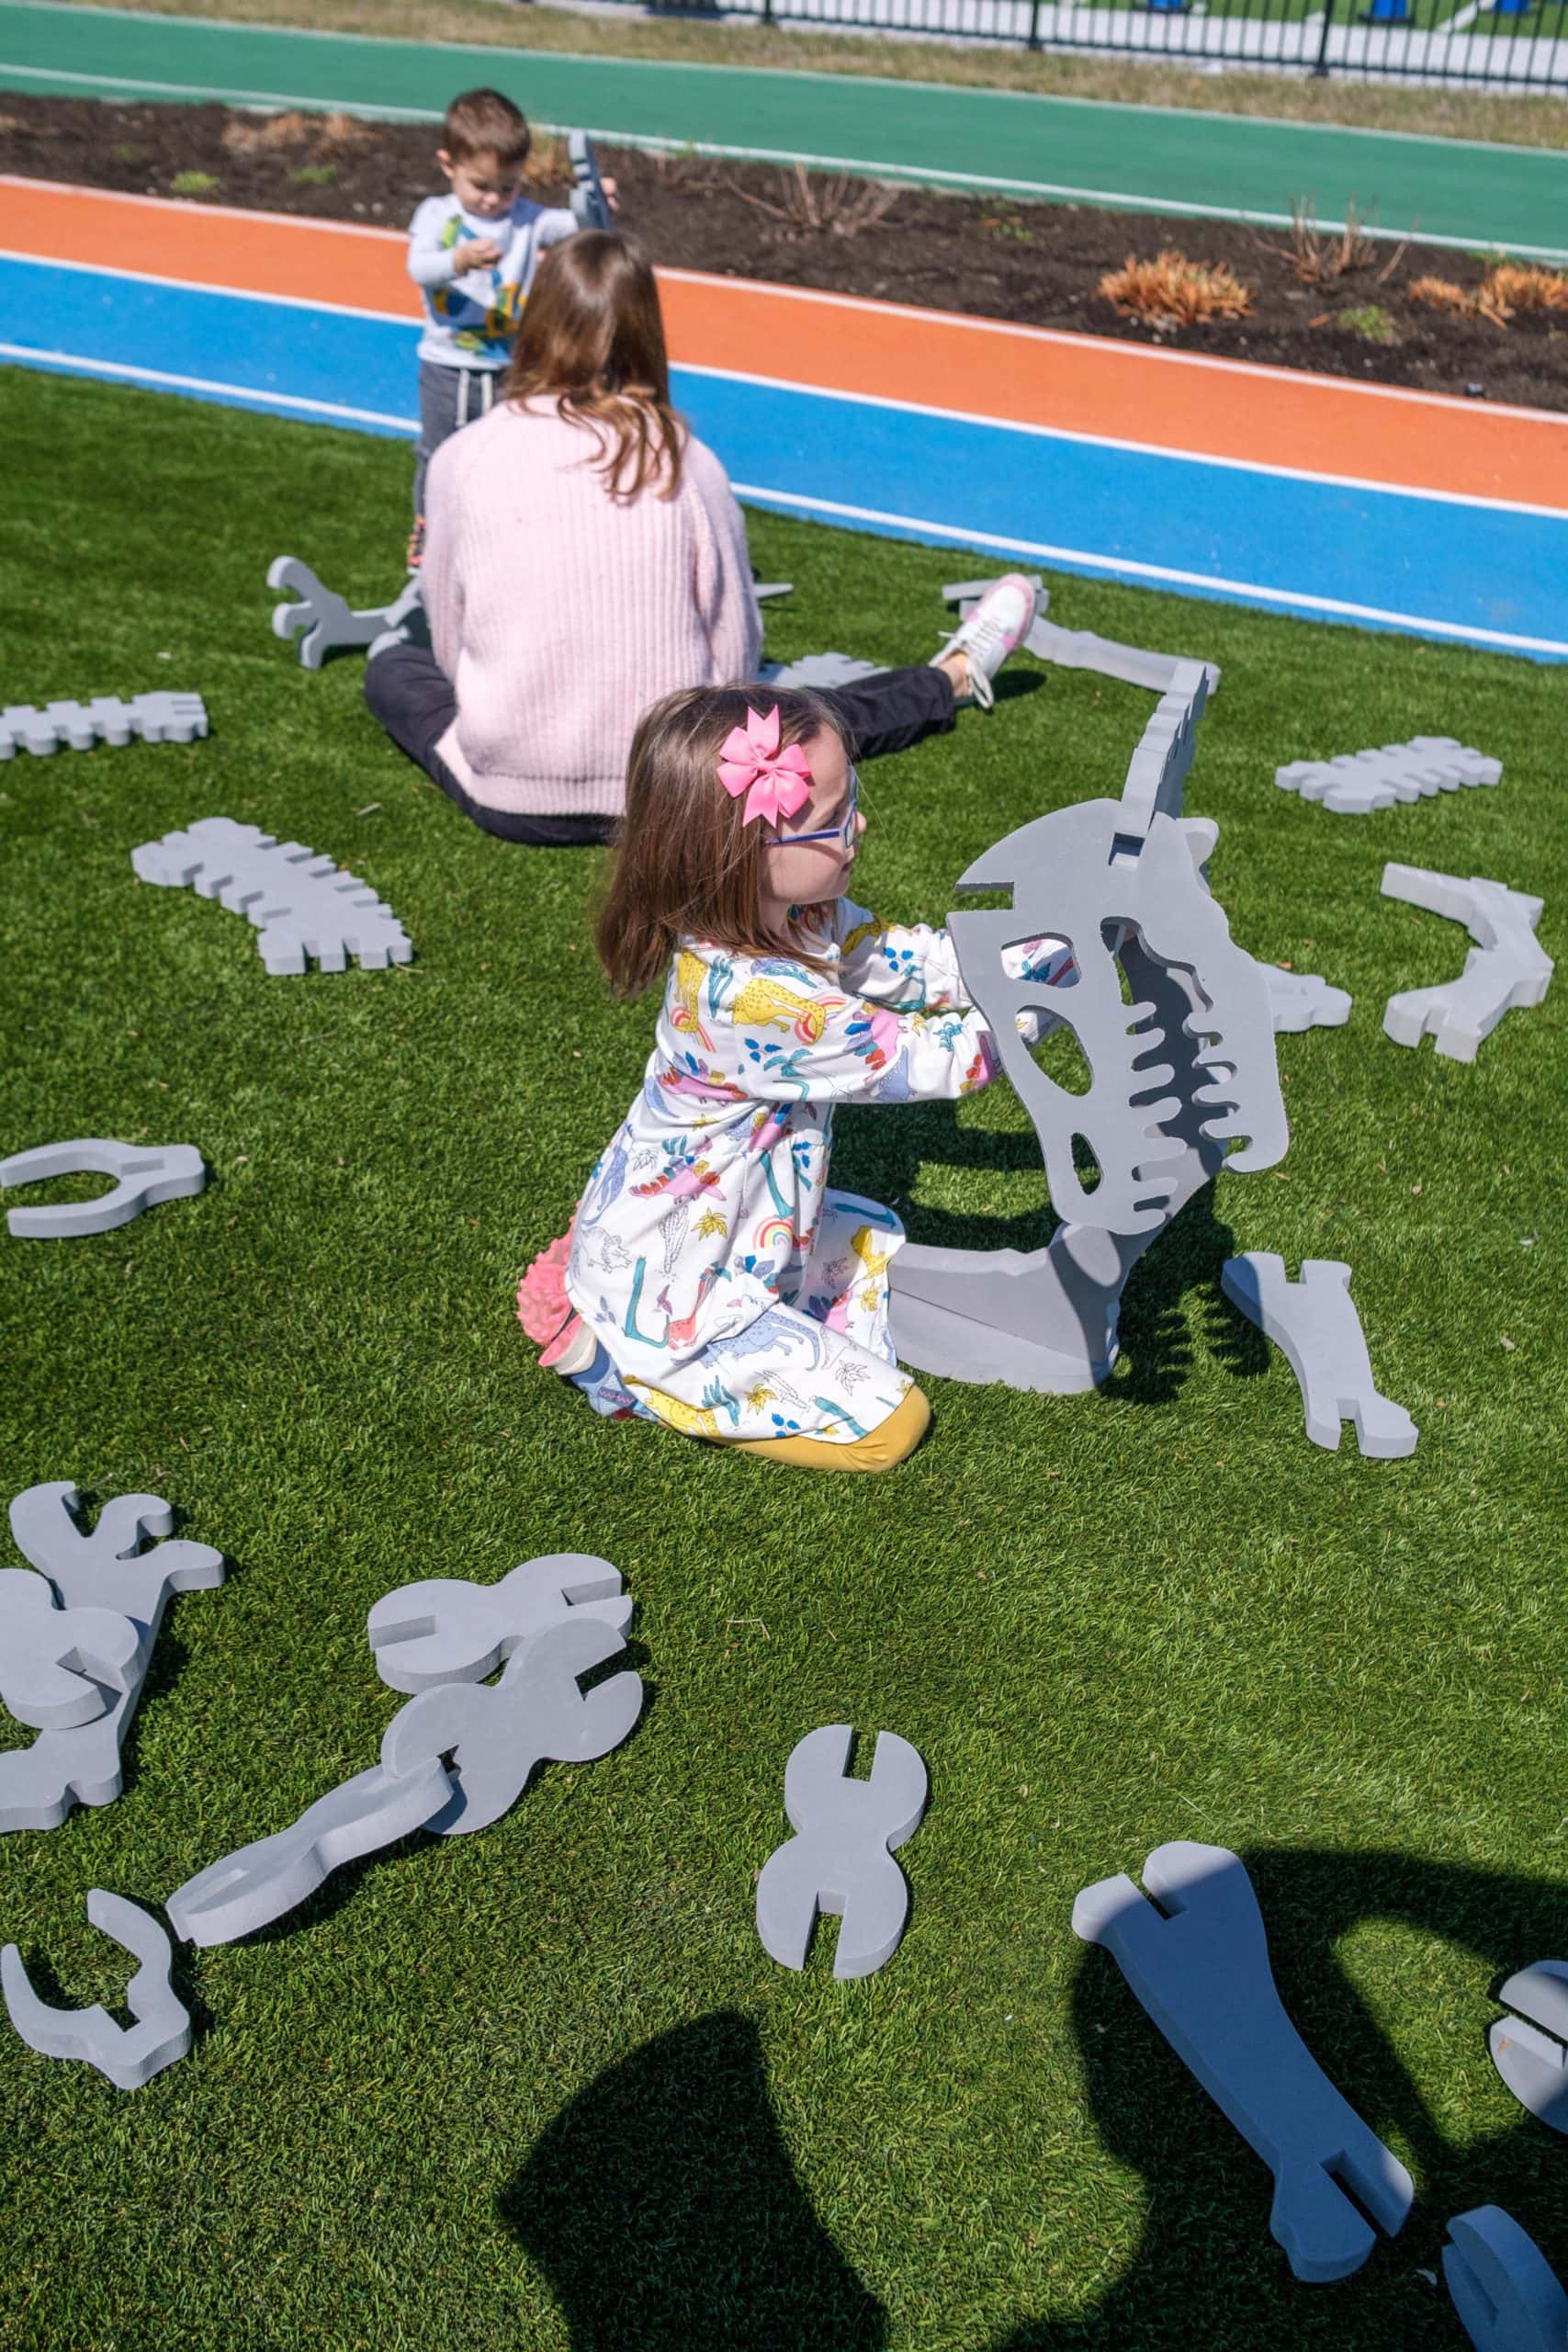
[(312, 174), (1369, 323), (1008, 226), (124, 154), (1171, 290), (841, 205), (194, 183), (1507, 288), (1320, 259)]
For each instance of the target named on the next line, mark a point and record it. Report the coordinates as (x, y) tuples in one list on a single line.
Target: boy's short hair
[(482, 122)]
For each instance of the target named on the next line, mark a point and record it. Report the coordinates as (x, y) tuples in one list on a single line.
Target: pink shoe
[(997, 626)]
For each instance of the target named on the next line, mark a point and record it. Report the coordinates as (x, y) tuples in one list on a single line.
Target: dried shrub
[(1320, 259), (1442, 294), (1171, 290), (287, 134), (841, 206), (1515, 287)]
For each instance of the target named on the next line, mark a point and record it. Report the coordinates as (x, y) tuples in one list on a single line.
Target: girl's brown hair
[(687, 862), (593, 340)]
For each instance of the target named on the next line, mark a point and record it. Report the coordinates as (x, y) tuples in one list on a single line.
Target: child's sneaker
[(416, 545), (997, 626)]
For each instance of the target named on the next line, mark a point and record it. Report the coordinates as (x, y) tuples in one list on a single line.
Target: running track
[(1257, 485)]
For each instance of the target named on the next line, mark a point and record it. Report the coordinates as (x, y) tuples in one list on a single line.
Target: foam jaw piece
[(104, 1571), (840, 1858), (159, 717), (589, 205), (53, 1661), (1505, 2292), (322, 620), (1315, 1325), (1530, 2049), (303, 906), (1507, 968), (450, 1630), (127, 2055), (496, 1734), (1198, 1965), (1359, 782), (1080, 649), (145, 1174), (1299, 1001)]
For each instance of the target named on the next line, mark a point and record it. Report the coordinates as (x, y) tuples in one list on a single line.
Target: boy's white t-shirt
[(471, 320)]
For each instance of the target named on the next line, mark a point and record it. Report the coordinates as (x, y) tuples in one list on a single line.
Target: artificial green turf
[(541, 2086)]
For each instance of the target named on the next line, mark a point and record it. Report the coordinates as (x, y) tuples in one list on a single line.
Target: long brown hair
[(687, 862), (593, 340)]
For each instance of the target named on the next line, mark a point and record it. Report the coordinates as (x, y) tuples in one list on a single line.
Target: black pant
[(410, 695)]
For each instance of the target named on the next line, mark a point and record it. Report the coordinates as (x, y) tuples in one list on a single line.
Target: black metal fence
[(1490, 44)]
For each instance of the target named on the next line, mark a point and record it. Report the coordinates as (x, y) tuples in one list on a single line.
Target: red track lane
[(1068, 383)]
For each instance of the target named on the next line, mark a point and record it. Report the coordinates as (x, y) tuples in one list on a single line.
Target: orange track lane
[(1069, 383)]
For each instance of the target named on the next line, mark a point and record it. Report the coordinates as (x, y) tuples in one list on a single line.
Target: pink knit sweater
[(560, 614)]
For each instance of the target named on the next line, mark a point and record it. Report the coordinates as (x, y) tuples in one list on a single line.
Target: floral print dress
[(732, 1293)]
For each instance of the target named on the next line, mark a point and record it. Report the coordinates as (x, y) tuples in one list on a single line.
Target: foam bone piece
[(107, 1570), (589, 205), (823, 671), (1530, 2049), (159, 717), (266, 1881), (1199, 1964), (1506, 968), (53, 1661), (1359, 782), (303, 906), (325, 622), (1081, 649), (1315, 1325), (1300, 1001), (496, 1734), (450, 1630), (840, 1858), (1504, 2289), (145, 1174), (129, 2056)]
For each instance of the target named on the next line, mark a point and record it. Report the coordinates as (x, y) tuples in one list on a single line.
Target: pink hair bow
[(776, 782)]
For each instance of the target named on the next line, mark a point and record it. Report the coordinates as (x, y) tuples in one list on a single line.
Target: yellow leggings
[(892, 1441)]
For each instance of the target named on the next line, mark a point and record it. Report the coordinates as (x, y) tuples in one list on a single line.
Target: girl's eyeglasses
[(843, 832)]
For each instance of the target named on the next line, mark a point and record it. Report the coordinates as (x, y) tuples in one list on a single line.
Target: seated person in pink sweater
[(585, 557)]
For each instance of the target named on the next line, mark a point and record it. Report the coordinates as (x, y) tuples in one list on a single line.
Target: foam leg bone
[(129, 2056), (1315, 1325), (145, 1174), (496, 1734), (1507, 968), (53, 1662), (1502, 2286), (1199, 1964), (840, 1860), (325, 622), (1300, 1001), (1530, 2049), (448, 1629)]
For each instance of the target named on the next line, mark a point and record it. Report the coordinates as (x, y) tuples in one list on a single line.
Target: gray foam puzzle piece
[(1199, 1964), (266, 1881), (1299, 1001), (1315, 1325), (840, 1858), (302, 905), (818, 669), (1530, 2049), (1505, 2292), (158, 717), (55, 1663), (145, 1174), (1507, 968), (129, 2056), (1081, 649), (106, 1569), (448, 1629), (589, 205), (1156, 774), (764, 589), (496, 1733), (1357, 782), (325, 622)]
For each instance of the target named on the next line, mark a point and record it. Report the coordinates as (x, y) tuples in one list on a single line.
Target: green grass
[(541, 2086)]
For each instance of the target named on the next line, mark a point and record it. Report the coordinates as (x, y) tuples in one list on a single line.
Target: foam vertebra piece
[(106, 1569), (1315, 1325), (590, 206), (54, 1662), (1502, 2286), (158, 717), (1156, 774), (1081, 649), (1299, 1001), (840, 1858), (1530, 2049), (144, 1173), (496, 1734), (1506, 968), (1198, 1965), (303, 906), (450, 1630), (325, 622), (1358, 781), (129, 2056)]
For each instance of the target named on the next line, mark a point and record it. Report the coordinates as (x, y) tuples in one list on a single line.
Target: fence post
[(1033, 41), (1320, 71)]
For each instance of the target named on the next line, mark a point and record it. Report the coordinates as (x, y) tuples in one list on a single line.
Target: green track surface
[(1143, 157), (540, 2086)]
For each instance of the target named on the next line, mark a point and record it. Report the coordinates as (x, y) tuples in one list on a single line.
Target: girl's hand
[(610, 187)]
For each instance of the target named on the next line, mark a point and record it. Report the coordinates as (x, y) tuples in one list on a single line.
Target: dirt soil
[(1038, 265)]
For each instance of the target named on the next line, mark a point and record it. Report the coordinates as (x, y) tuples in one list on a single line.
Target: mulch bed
[(1038, 265)]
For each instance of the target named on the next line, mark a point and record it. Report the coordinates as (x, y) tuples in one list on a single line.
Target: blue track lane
[(1447, 568)]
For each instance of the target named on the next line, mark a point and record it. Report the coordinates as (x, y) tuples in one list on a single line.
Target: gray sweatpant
[(449, 398)]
